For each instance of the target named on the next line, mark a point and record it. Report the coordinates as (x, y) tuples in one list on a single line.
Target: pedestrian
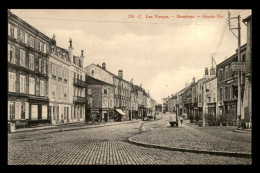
[(181, 119)]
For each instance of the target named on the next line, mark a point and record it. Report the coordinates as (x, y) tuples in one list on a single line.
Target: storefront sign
[(238, 66)]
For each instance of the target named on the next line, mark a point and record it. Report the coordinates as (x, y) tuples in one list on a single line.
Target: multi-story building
[(134, 102), (172, 103), (247, 101), (77, 85), (27, 73), (100, 100), (102, 74), (227, 84), (210, 98), (194, 99), (200, 97), (61, 101), (188, 104)]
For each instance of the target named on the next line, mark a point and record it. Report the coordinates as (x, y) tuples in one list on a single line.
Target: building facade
[(210, 99), (77, 85), (59, 84), (27, 74), (227, 84)]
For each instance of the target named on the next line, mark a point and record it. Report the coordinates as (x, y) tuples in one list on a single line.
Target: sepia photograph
[(129, 87)]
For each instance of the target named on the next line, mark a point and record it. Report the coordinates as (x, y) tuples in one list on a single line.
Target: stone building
[(77, 85), (210, 99), (27, 74), (247, 100), (100, 100), (59, 81), (227, 84)]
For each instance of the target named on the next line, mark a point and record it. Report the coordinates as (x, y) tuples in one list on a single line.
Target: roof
[(232, 57), (210, 79), (40, 34), (247, 18), (92, 81)]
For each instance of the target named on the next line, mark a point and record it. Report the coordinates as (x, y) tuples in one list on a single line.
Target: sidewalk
[(71, 126), (188, 139)]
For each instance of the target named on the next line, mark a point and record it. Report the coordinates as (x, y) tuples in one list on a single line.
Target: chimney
[(104, 66), (71, 51), (53, 37), (206, 72), (212, 71), (193, 80), (120, 74), (82, 58)]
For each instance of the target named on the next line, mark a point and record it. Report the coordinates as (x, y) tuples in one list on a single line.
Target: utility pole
[(239, 103)]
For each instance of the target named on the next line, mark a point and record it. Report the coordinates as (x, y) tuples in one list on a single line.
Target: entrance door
[(44, 112), (34, 112)]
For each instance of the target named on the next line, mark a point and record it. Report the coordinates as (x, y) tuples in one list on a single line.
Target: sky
[(161, 53)]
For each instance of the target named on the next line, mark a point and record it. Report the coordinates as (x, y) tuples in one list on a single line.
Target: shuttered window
[(11, 81), (22, 84), (22, 57), (31, 41), (11, 53), (31, 61), (42, 88), (32, 86)]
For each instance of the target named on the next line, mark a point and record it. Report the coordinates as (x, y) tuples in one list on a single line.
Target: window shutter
[(15, 32), (14, 82), (8, 109), (44, 48), (26, 110), (21, 83), (25, 38), (16, 110), (9, 52), (9, 33), (19, 110)]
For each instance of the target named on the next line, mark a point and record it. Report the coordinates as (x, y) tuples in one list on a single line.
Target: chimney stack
[(206, 72), (104, 66), (193, 80), (120, 74), (212, 71), (71, 51), (82, 58)]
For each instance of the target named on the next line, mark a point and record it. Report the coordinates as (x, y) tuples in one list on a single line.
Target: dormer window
[(92, 72)]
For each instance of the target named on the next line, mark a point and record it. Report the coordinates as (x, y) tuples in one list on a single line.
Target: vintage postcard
[(129, 87)]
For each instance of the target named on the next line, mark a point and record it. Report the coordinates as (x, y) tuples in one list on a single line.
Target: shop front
[(38, 111), (230, 112)]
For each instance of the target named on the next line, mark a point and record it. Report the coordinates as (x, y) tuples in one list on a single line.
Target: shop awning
[(120, 111)]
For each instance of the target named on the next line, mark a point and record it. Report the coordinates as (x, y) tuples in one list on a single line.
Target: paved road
[(100, 146)]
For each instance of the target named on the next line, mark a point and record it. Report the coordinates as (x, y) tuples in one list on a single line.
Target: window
[(42, 88), (11, 30), (22, 57), (12, 110), (53, 91), (89, 91), (22, 36), (59, 72), (22, 84), (227, 93), (53, 70), (26, 38), (226, 72), (31, 41), (42, 66), (79, 63), (31, 61), (41, 47), (220, 94), (31, 86), (23, 110), (12, 80), (59, 92), (105, 91), (65, 93), (11, 53)]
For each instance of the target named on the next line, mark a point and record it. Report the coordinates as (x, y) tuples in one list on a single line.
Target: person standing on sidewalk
[(181, 119)]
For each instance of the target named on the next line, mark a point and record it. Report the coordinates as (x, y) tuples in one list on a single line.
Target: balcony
[(78, 99), (79, 83)]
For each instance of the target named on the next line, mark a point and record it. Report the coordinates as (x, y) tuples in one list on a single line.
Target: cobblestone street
[(100, 146)]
